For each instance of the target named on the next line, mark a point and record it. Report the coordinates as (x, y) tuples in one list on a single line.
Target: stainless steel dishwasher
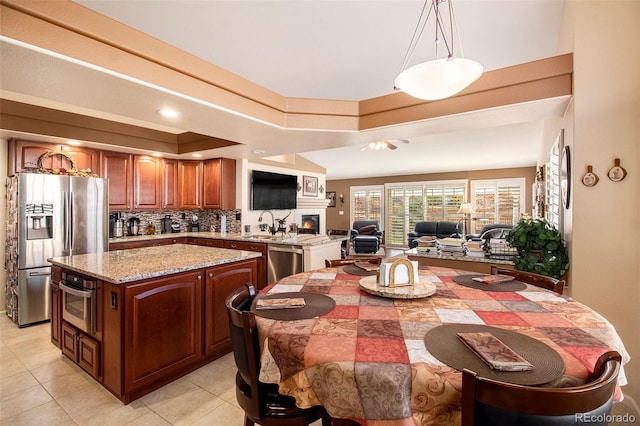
[(283, 260)]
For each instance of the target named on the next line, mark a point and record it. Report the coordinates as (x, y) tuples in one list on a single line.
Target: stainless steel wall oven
[(79, 302)]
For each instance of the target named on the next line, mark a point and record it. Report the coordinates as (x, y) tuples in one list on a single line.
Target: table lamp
[(466, 209)]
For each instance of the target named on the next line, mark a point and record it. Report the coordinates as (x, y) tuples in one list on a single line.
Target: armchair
[(366, 236), (493, 230)]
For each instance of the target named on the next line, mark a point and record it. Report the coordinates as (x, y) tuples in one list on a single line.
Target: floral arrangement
[(73, 171)]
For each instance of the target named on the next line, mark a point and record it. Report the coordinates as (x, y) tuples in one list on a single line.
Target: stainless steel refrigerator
[(49, 216)]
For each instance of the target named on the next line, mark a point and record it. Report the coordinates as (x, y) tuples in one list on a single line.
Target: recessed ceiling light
[(259, 151), (196, 155), (168, 112)]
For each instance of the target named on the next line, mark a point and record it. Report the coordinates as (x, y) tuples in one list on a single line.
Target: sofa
[(366, 236), (493, 230), (438, 229)]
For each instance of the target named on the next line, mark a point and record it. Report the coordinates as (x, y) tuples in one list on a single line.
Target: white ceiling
[(326, 49)]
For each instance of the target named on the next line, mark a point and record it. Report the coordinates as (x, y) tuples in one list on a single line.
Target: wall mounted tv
[(273, 191)]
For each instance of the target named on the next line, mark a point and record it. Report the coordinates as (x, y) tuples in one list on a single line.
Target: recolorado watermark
[(605, 418)]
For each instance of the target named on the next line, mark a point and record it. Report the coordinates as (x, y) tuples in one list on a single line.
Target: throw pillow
[(367, 230)]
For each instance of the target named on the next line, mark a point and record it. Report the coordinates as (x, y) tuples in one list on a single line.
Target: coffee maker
[(134, 226)]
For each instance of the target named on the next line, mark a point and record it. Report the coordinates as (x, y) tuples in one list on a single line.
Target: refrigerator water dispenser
[(39, 221)]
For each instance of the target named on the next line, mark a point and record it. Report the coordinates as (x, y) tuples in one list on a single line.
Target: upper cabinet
[(169, 184), (208, 184), (190, 185), (139, 182), (219, 184), (147, 182), (117, 167), (24, 156)]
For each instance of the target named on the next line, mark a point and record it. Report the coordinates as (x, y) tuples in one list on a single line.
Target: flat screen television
[(273, 191)]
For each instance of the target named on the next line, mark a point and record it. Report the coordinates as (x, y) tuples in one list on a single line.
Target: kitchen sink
[(265, 237)]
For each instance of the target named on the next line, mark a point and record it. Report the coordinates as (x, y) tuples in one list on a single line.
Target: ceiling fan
[(380, 145)]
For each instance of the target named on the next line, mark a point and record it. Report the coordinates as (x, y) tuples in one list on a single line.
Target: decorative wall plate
[(590, 178), (617, 173)]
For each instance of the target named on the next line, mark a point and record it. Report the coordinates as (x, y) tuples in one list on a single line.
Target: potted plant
[(540, 247)]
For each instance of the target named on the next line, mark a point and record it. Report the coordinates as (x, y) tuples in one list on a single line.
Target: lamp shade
[(466, 208), (439, 78)]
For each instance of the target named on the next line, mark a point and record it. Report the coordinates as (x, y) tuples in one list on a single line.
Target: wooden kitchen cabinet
[(220, 282), (147, 182), (163, 332), (56, 306), (262, 260), (190, 185), (207, 242), (117, 167), (219, 184), (24, 155), (56, 313), (169, 184), (208, 184), (81, 349), (126, 245)]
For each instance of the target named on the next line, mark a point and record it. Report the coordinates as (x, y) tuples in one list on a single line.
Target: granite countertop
[(300, 240), (469, 257), (123, 266)]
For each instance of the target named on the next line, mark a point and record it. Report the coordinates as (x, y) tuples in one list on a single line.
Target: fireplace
[(310, 224)]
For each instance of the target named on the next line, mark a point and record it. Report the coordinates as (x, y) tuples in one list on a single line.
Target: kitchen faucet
[(273, 221)]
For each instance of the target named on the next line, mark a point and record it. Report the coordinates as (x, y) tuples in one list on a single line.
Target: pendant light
[(440, 77)]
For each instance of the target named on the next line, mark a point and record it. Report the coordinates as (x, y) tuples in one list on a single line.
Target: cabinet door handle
[(199, 277), (210, 275)]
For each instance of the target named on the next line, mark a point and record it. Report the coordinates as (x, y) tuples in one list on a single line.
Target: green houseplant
[(540, 247)]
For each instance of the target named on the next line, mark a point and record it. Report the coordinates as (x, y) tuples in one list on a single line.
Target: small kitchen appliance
[(134, 226), (195, 225), (118, 225), (166, 224)]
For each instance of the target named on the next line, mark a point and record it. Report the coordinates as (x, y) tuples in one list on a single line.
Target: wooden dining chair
[(261, 402), (490, 402), (328, 263), (530, 278)]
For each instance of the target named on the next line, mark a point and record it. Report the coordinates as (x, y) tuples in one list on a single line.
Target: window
[(552, 180), (408, 203), (366, 203), (496, 201)]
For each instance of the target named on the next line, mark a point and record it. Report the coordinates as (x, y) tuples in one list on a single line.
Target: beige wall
[(604, 219), (335, 220)]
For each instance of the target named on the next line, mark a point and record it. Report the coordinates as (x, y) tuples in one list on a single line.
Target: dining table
[(395, 359)]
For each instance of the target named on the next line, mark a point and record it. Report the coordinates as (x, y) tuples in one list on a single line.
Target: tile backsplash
[(206, 218)]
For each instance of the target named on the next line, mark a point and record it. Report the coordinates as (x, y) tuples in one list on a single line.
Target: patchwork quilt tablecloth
[(366, 359)]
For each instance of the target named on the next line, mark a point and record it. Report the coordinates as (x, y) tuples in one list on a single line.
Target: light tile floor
[(38, 386)]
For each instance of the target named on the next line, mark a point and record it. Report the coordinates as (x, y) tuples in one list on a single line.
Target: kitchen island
[(158, 312), (314, 249)]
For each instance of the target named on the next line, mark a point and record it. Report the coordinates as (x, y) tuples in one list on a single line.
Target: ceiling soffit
[(71, 30)]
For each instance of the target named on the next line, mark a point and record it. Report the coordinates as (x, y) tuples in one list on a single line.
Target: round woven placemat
[(443, 343), (315, 305), (354, 270), (467, 281)]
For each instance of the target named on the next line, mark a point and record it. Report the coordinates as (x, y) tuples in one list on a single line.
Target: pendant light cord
[(417, 33)]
